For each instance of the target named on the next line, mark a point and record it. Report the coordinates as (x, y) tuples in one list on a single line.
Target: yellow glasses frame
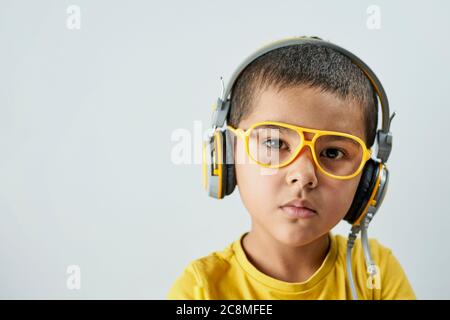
[(367, 153)]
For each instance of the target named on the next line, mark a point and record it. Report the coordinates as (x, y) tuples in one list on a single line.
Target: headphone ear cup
[(213, 167), (364, 191), (229, 180)]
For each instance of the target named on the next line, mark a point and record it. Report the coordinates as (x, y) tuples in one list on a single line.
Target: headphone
[(219, 178)]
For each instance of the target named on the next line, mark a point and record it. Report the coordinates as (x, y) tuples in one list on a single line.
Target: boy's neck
[(290, 264)]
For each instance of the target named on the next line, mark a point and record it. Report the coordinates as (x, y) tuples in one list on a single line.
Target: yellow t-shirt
[(228, 274)]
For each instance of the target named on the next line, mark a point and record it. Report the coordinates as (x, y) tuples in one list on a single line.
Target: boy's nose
[(302, 170)]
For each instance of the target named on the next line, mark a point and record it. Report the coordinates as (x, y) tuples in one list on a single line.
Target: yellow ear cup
[(372, 201), (213, 165), (218, 161)]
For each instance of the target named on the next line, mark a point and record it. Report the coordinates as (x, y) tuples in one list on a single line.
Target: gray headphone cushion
[(229, 170)]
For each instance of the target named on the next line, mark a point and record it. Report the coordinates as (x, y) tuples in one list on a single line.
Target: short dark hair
[(311, 65)]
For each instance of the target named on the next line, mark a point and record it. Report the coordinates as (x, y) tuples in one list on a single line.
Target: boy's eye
[(332, 153), (274, 143)]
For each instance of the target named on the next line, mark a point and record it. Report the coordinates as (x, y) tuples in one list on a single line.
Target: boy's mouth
[(299, 208), (299, 203)]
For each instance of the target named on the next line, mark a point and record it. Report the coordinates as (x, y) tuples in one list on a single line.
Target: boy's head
[(314, 87)]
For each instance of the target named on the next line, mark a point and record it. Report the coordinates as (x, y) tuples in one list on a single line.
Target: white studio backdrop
[(89, 107)]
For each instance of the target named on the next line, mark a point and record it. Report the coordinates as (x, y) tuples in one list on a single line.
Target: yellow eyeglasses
[(274, 144)]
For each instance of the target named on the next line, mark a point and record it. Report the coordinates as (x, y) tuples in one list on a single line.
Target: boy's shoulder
[(212, 267), (375, 244), (201, 274), (220, 259), (379, 251)]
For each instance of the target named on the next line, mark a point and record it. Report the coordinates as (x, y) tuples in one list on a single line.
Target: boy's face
[(264, 191)]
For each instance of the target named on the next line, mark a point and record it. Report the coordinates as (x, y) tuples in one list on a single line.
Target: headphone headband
[(384, 136)]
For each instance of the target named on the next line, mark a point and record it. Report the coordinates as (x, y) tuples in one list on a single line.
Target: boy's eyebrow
[(286, 129), (281, 121), (283, 128), (346, 139), (271, 126), (274, 126)]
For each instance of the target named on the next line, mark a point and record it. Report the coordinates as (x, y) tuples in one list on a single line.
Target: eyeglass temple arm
[(238, 131)]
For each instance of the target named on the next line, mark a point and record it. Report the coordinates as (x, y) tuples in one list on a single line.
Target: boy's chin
[(294, 238)]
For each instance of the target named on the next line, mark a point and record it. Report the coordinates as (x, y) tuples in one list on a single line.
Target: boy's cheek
[(257, 185), (339, 196), (258, 178)]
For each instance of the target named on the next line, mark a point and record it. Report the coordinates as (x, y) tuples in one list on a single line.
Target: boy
[(302, 91)]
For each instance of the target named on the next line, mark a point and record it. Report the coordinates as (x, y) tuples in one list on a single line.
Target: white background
[(86, 118)]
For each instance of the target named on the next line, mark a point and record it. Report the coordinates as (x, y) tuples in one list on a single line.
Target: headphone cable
[(371, 269), (350, 243)]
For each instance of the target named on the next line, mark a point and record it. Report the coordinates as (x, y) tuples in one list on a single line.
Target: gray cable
[(365, 244), (350, 243), (366, 249)]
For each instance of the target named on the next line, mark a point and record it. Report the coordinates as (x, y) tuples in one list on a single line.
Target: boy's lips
[(299, 208)]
